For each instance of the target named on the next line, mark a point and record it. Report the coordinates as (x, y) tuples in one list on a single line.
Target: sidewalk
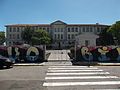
[(63, 62)]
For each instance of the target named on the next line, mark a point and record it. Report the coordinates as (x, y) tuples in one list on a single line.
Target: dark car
[(6, 62)]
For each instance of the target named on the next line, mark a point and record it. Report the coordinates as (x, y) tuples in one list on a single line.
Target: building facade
[(63, 34)]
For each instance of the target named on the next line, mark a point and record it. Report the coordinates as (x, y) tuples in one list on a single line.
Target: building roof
[(58, 22)]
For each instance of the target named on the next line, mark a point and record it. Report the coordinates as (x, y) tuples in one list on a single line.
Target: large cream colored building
[(63, 34)]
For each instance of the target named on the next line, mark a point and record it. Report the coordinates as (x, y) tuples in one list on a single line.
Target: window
[(98, 29), (10, 36), (13, 36), (87, 29), (55, 30), (17, 29), (61, 29), (68, 29), (83, 29), (79, 29), (47, 29), (61, 36), (87, 42), (18, 36), (76, 29), (91, 29), (68, 36), (73, 36), (43, 28), (10, 29), (14, 29), (55, 36), (58, 29), (58, 36), (72, 29)]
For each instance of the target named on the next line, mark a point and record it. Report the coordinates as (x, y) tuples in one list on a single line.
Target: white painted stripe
[(82, 77), (70, 66), (71, 70), (81, 83), (100, 73)]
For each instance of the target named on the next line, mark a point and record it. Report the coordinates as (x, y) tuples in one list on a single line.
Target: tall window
[(18, 36), (68, 36), (61, 36), (55, 36), (83, 29), (14, 29), (87, 29), (58, 29), (72, 29), (73, 36), (17, 29), (91, 29), (68, 29), (76, 29), (58, 36), (13, 36), (47, 29), (61, 29), (10, 36), (10, 29)]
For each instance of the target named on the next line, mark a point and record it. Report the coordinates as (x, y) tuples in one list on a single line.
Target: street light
[(115, 40)]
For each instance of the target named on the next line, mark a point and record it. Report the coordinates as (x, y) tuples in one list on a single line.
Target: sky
[(68, 11)]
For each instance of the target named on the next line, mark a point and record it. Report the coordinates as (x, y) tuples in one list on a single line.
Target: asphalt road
[(35, 77)]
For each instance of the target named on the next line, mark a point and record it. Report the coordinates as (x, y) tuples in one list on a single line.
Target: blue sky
[(69, 11)]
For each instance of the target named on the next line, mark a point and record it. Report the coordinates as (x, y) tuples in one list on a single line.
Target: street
[(59, 74), (54, 76)]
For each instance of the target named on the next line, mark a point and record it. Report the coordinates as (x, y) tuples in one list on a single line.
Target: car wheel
[(1, 66)]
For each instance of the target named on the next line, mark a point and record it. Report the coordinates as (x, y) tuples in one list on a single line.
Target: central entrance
[(58, 55)]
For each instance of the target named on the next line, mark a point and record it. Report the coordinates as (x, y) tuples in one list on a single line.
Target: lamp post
[(115, 40), (75, 51)]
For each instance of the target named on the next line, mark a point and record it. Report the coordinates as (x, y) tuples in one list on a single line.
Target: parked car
[(6, 62)]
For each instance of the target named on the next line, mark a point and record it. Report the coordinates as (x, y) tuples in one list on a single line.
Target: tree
[(106, 38), (40, 37), (2, 38), (115, 31), (27, 34)]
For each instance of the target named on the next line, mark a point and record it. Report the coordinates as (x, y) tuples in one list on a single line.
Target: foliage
[(27, 34), (106, 38), (40, 37), (2, 38), (115, 31)]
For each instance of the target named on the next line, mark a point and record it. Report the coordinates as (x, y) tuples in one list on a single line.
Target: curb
[(95, 64), (73, 63), (29, 64)]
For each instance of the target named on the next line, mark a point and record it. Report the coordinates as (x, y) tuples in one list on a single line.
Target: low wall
[(102, 53), (23, 54)]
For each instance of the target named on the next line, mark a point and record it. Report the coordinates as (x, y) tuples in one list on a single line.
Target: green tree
[(115, 31), (40, 37), (27, 34), (105, 38), (2, 38)]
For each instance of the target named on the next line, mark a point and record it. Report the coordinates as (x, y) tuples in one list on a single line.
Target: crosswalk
[(61, 76)]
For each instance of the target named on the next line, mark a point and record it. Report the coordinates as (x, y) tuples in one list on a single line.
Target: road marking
[(81, 83), (78, 73), (71, 70), (71, 66), (82, 77)]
